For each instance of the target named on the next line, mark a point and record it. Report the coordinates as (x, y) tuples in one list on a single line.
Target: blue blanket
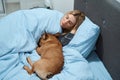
[(19, 34)]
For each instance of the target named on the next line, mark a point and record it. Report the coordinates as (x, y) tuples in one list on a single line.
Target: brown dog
[(51, 61)]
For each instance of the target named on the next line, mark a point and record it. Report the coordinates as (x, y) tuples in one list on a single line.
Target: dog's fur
[(51, 61)]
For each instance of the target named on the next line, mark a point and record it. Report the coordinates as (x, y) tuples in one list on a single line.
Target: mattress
[(98, 68)]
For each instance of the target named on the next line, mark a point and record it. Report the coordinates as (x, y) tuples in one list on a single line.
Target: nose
[(66, 21)]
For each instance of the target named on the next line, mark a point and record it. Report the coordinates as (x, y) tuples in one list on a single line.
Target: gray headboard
[(106, 14)]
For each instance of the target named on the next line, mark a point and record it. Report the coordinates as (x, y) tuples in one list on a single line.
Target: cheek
[(63, 20), (63, 24)]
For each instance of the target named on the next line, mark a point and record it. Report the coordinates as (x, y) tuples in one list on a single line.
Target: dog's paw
[(28, 69)]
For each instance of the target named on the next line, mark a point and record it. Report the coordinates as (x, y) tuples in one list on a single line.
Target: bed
[(106, 14), (20, 32)]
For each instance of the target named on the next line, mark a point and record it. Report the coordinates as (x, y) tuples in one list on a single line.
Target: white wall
[(27, 4), (63, 5)]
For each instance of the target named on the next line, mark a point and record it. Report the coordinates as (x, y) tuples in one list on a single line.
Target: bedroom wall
[(63, 5)]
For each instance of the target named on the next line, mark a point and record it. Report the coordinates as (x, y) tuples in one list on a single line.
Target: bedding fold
[(19, 34), (75, 67)]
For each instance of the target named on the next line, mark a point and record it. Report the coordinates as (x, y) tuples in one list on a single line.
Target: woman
[(69, 23)]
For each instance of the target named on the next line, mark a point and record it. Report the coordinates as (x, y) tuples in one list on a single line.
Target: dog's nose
[(49, 76)]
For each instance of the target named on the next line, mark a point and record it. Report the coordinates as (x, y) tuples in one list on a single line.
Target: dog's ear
[(45, 36)]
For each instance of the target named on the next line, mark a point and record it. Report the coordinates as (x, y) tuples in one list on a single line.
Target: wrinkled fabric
[(19, 34)]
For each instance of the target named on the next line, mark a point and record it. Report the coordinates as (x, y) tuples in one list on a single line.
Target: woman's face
[(68, 21)]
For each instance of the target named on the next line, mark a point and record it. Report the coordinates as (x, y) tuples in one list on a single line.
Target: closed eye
[(67, 17)]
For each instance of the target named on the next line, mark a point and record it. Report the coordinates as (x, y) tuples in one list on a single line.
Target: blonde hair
[(80, 17)]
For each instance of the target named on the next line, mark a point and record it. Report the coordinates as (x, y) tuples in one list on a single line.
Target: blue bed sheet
[(98, 68), (19, 34)]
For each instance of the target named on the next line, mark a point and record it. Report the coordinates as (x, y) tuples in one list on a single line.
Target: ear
[(44, 36)]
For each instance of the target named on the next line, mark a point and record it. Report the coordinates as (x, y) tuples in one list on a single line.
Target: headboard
[(106, 14)]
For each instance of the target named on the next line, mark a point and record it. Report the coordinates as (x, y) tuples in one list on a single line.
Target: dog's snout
[(49, 76)]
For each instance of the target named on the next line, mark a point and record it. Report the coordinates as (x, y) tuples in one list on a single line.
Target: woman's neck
[(73, 31)]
